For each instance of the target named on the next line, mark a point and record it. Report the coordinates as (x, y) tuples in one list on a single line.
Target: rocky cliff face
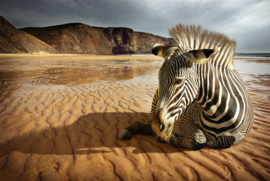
[(13, 40), (125, 40), (75, 38), (81, 38)]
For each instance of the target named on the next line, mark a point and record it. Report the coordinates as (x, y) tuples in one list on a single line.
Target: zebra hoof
[(159, 139), (125, 135), (198, 146)]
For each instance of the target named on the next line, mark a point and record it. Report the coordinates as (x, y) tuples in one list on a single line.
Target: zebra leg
[(225, 141), (141, 128), (191, 137), (136, 128)]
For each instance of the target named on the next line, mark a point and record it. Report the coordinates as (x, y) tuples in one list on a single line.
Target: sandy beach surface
[(60, 117)]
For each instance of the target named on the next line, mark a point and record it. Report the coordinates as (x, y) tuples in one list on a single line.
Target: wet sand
[(60, 117)]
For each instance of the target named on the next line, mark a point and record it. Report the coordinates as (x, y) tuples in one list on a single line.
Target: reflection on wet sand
[(24, 72), (60, 118)]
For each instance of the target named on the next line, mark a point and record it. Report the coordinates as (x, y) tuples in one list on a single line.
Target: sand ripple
[(70, 132)]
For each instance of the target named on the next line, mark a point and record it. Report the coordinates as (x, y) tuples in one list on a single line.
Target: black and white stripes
[(198, 84)]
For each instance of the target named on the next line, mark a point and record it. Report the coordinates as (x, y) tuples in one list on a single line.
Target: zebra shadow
[(89, 134)]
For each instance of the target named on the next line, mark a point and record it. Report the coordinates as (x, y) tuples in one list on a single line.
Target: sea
[(253, 55), (245, 63)]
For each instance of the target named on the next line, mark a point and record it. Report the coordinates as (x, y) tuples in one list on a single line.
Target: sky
[(245, 21)]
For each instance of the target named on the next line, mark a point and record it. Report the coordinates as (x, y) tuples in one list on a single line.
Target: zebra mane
[(191, 37)]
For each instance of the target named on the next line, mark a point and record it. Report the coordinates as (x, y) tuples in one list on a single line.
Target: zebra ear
[(201, 56), (160, 49)]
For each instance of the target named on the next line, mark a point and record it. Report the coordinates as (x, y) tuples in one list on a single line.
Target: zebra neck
[(221, 97), (224, 59), (217, 85)]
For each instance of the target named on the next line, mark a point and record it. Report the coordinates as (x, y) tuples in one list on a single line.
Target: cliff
[(75, 38), (13, 40), (83, 39)]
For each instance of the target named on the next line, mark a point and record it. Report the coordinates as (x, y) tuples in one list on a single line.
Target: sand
[(60, 117)]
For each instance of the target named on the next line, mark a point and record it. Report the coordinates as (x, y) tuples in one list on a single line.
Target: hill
[(13, 40)]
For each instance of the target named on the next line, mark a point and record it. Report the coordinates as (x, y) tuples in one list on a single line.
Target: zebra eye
[(179, 81)]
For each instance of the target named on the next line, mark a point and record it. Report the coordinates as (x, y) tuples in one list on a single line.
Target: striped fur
[(207, 98)]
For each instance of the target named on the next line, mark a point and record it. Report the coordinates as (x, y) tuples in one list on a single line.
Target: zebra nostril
[(161, 127)]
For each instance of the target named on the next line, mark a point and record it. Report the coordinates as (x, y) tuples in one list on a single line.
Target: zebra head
[(178, 84)]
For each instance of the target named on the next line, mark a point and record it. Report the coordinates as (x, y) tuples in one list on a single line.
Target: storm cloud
[(246, 21)]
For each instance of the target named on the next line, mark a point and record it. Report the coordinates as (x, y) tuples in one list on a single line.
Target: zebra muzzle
[(158, 122)]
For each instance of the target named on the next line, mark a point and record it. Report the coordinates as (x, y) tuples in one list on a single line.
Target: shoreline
[(81, 56), (120, 56)]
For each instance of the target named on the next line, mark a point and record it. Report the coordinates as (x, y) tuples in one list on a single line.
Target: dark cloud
[(248, 22)]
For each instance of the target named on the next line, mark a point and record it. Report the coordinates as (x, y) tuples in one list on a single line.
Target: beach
[(60, 117)]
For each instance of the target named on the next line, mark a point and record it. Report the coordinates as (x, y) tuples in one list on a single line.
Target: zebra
[(200, 90)]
